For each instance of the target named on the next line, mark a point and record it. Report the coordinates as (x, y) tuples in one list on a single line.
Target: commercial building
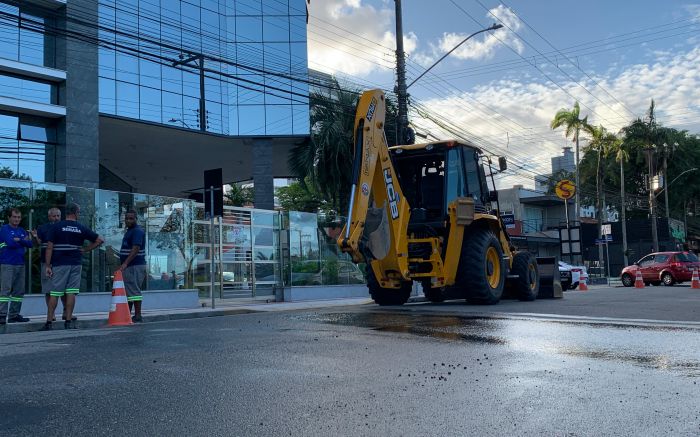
[(143, 96)]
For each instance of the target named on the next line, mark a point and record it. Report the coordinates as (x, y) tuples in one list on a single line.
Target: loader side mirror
[(502, 163)]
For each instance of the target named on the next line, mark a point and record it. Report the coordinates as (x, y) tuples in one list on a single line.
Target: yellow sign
[(565, 189)]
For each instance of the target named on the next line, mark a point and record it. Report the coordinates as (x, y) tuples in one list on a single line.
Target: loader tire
[(481, 270), (387, 296), (526, 286), (434, 295)]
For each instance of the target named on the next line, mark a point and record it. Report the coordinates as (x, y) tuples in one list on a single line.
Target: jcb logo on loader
[(371, 109), (391, 194)]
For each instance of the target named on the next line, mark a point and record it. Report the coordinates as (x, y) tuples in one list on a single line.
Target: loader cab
[(432, 175)]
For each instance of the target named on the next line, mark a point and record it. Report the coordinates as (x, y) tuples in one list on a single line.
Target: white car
[(570, 275)]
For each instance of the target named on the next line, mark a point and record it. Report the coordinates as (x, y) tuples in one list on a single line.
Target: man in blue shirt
[(133, 263), (64, 254), (13, 243)]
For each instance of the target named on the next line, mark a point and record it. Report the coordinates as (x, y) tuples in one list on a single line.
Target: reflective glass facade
[(23, 37), (26, 145), (255, 65)]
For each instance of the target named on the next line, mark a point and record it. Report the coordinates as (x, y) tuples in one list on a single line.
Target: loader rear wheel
[(434, 295), (387, 296), (526, 286), (481, 271)]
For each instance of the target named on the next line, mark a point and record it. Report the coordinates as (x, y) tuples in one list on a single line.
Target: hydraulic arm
[(378, 213)]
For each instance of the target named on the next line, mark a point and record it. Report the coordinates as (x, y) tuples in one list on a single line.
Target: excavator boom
[(378, 212)]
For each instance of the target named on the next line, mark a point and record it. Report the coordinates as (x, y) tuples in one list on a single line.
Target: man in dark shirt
[(133, 263), (41, 235), (13, 243), (63, 262)]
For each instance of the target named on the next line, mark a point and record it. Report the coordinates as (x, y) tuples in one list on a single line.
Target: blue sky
[(502, 89)]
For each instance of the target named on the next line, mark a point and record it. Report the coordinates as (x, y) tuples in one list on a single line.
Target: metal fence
[(254, 250)]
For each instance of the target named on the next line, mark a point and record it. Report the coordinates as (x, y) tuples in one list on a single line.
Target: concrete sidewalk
[(223, 308)]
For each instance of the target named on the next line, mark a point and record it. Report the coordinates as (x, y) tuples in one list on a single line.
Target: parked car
[(570, 275), (658, 268)]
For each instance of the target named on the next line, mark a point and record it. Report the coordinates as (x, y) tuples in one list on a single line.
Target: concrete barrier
[(296, 294), (89, 302)]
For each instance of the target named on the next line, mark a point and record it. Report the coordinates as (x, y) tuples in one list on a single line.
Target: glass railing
[(255, 251)]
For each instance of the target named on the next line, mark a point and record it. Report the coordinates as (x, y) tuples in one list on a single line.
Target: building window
[(26, 145), (31, 90), (23, 36), (255, 57)]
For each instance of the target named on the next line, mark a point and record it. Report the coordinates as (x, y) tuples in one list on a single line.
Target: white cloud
[(361, 47), (484, 48), (524, 108)]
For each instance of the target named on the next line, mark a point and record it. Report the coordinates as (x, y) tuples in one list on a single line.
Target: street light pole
[(492, 27), (401, 88), (652, 199)]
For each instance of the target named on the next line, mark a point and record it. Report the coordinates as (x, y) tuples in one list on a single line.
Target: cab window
[(456, 186), (471, 166)]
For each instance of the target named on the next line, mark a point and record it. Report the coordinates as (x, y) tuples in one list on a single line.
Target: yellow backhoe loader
[(422, 212)]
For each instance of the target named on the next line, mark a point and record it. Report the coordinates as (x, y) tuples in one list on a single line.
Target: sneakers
[(72, 318), (137, 319), (47, 327), (69, 324), (18, 319)]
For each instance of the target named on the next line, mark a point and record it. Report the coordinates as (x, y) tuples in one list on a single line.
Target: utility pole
[(401, 89), (668, 213), (624, 221), (404, 134), (202, 101), (652, 198)]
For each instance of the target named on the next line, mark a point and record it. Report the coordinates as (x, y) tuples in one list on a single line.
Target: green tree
[(325, 161), (573, 124), (299, 197), (602, 143), (239, 196)]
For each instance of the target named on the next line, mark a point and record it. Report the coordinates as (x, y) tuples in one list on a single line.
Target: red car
[(666, 268)]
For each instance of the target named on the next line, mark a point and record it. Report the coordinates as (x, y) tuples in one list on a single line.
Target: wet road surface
[(356, 371)]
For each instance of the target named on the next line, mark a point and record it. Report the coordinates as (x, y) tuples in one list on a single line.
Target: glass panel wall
[(27, 144), (23, 37), (255, 251), (251, 53), (314, 257)]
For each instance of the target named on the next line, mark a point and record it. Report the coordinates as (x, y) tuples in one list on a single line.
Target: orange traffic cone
[(583, 278), (695, 282), (119, 314), (638, 281)]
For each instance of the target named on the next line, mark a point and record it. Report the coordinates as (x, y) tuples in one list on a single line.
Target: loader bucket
[(550, 283)]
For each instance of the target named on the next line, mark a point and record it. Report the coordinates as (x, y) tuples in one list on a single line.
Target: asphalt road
[(419, 369)]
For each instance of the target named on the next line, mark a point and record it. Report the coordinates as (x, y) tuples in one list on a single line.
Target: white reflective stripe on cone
[(118, 284), (118, 299)]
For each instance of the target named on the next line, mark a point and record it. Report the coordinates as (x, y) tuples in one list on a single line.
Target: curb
[(14, 328)]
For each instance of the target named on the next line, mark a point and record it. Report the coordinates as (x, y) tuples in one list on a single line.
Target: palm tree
[(325, 159), (602, 142), (647, 134), (573, 125), (622, 156)]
